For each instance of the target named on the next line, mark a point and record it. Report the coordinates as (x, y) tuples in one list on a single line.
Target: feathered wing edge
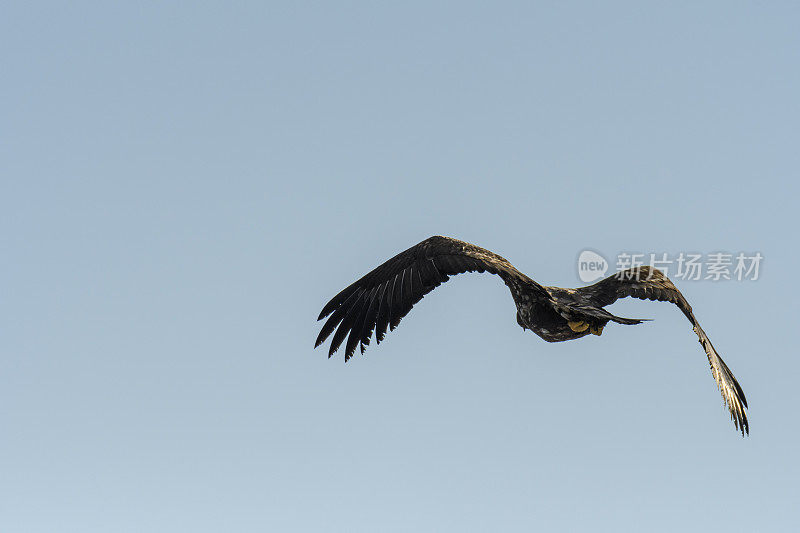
[(730, 389), (381, 298), (648, 283)]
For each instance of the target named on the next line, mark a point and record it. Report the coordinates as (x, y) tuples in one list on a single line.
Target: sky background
[(183, 186)]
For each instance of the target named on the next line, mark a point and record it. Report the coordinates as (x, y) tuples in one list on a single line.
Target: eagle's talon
[(578, 327), (596, 331)]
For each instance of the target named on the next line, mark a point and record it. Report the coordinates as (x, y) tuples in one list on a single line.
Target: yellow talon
[(597, 331), (578, 327)]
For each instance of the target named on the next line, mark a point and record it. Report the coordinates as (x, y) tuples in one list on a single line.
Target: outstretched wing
[(648, 283), (384, 296)]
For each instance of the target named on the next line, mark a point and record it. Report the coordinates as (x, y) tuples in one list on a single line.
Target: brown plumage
[(380, 299)]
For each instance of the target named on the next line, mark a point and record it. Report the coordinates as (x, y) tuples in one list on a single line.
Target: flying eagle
[(380, 299)]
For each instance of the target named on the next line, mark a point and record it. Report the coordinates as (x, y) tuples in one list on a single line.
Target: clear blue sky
[(183, 186)]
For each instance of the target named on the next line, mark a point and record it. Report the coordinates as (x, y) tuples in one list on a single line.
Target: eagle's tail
[(602, 314)]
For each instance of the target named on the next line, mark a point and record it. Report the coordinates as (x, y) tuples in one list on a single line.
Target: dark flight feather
[(406, 278)]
